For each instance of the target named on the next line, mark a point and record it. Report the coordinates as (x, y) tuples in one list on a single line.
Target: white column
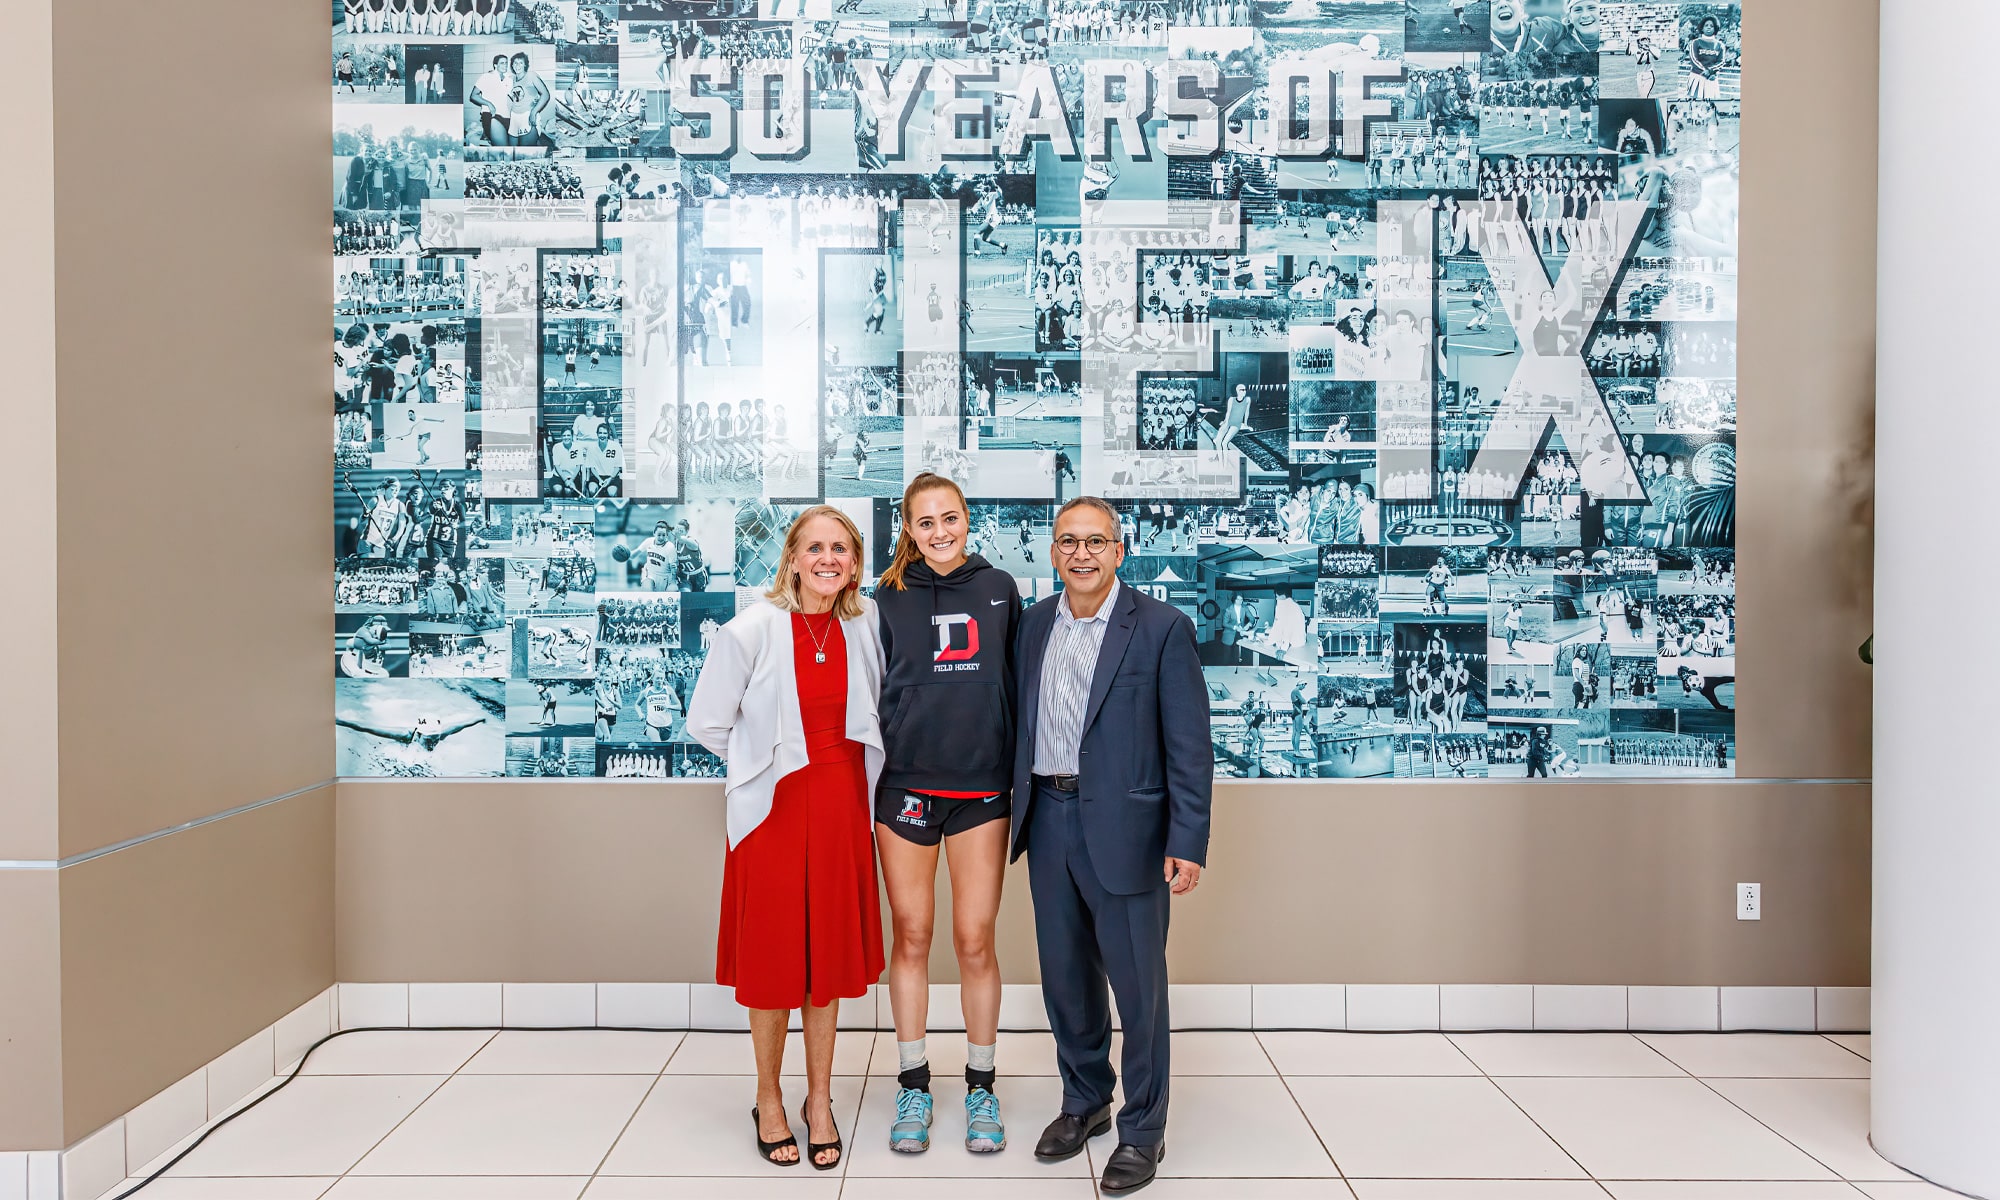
[(1936, 975)]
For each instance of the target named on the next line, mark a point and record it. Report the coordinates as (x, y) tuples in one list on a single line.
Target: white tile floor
[(526, 1115)]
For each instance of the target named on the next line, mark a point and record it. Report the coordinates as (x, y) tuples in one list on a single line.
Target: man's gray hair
[(1097, 502)]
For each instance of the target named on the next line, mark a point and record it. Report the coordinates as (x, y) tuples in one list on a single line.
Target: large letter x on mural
[(1551, 382)]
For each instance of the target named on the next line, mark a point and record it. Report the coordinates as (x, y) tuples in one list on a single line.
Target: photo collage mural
[(1401, 332)]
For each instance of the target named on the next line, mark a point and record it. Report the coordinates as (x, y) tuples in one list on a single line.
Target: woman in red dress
[(787, 697)]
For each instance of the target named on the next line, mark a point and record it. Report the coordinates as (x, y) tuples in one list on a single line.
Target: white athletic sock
[(910, 1054), (978, 1057)]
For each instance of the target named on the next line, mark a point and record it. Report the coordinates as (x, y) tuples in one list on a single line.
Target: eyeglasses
[(1095, 543)]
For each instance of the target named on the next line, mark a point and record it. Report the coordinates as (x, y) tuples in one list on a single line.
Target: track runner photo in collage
[(1401, 334)]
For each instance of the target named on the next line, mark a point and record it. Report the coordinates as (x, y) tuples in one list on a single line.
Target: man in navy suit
[(1112, 776)]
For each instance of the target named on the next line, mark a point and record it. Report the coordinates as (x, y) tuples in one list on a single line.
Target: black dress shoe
[(1065, 1136), (1131, 1167)]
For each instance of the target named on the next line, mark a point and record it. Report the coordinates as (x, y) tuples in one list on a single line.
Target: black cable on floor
[(301, 1065)]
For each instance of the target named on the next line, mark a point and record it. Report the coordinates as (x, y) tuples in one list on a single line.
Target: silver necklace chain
[(819, 641)]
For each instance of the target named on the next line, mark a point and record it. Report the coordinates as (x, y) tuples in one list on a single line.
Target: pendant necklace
[(819, 640)]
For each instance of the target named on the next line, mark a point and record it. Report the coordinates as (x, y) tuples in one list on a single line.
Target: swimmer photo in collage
[(425, 728)]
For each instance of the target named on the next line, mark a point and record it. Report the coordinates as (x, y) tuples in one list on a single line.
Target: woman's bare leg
[(978, 860), (767, 1039), (820, 1024), (909, 873)]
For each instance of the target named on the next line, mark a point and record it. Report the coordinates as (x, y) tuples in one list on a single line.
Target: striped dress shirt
[(1068, 662)]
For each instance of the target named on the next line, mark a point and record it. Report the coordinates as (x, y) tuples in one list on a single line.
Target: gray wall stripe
[(55, 864)]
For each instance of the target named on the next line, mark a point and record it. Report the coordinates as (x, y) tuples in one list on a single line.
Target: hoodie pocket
[(950, 728)]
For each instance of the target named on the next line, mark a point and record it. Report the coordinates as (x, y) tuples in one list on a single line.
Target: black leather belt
[(1061, 783)]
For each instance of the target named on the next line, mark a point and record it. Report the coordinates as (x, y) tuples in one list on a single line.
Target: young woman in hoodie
[(946, 624)]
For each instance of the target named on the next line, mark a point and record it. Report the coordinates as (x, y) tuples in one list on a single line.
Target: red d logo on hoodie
[(947, 626)]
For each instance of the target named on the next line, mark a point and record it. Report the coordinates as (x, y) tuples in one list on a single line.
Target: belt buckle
[(1064, 783)]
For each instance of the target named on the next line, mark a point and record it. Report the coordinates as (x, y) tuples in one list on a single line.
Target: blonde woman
[(787, 698)]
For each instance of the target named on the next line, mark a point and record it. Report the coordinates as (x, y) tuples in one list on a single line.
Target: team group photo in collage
[(1431, 433)]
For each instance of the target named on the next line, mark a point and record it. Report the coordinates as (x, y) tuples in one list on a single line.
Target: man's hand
[(1182, 875)]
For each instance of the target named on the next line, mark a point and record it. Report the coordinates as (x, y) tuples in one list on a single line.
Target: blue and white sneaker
[(983, 1132), (911, 1134)]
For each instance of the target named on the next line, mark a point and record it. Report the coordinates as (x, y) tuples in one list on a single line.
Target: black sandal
[(813, 1148), (767, 1149)]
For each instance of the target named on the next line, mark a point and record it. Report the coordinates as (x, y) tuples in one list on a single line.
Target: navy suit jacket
[(1146, 765)]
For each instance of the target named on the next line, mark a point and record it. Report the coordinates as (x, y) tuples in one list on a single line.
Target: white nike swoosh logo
[(997, 602)]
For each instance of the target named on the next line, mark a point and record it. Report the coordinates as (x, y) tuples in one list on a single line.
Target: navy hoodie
[(947, 691)]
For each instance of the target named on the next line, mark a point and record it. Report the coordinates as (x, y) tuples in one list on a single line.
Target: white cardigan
[(746, 707)]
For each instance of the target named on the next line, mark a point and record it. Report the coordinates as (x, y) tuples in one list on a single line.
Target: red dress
[(801, 919)]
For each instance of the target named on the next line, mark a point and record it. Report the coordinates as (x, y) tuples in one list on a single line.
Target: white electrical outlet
[(1749, 901)]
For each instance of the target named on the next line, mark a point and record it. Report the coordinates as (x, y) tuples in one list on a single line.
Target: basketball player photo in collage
[(1400, 333)]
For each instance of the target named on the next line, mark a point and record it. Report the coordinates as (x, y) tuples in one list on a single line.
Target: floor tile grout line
[(490, 1035), (428, 1097), (860, 1103), (847, 1150), (1470, 1061), (1522, 1109), (1781, 1137), (627, 1126), (1664, 1056), (679, 1042), (1303, 1114), (676, 1051), (1853, 1185), (1852, 1050)]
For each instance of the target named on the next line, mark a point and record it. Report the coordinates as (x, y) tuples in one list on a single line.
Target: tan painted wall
[(30, 1013), (1806, 383), (178, 949), (1372, 883), (168, 423), (1489, 883), (1523, 883), (30, 987), (526, 881), (28, 411), (191, 354)]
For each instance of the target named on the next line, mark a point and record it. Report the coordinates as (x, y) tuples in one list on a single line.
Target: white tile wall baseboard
[(1449, 1007), (142, 1139)]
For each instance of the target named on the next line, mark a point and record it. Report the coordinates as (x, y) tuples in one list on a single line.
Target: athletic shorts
[(928, 820)]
